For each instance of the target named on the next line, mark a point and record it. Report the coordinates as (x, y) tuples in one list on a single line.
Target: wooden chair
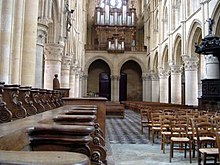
[(165, 127), (179, 136), (193, 122), (218, 142), (206, 142), (155, 118), (144, 120)]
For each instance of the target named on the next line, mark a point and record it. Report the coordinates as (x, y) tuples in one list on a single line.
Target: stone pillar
[(41, 36), (148, 91), (17, 42), (144, 79), (65, 72), (53, 54), (176, 84), (84, 85), (29, 43), (77, 82), (191, 80), (212, 67), (115, 88), (164, 85), (6, 35), (72, 81), (155, 87)]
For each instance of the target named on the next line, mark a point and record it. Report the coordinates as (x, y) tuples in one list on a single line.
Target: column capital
[(154, 76), (53, 52), (190, 63), (164, 73), (66, 62), (176, 69), (210, 59)]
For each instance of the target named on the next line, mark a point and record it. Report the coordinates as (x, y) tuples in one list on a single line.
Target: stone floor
[(144, 154), (125, 145)]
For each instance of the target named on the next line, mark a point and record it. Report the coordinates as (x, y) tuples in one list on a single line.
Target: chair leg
[(190, 155), (193, 148), (142, 130), (153, 136), (199, 158), (171, 150), (204, 159), (149, 133)]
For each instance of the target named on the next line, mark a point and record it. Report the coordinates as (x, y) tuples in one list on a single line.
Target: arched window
[(156, 21), (165, 22)]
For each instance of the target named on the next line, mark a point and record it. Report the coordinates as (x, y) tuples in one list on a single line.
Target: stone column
[(191, 80), (72, 81), (148, 91), (53, 54), (41, 36), (65, 72), (115, 88), (164, 85), (155, 87), (144, 79), (29, 43), (77, 82), (176, 84), (17, 42), (6, 35), (212, 67), (84, 85)]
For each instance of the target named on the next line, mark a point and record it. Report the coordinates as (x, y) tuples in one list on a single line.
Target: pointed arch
[(155, 63)]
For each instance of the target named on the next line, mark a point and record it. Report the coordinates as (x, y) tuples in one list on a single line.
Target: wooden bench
[(115, 109)]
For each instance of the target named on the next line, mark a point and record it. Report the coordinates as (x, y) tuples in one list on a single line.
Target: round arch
[(177, 53), (155, 63), (138, 61), (133, 85), (216, 17), (164, 60), (89, 62), (99, 83)]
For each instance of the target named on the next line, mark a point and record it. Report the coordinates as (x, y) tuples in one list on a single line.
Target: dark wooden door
[(105, 85), (123, 87)]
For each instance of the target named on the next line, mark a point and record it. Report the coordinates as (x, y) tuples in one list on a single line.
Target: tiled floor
[(126, 146)]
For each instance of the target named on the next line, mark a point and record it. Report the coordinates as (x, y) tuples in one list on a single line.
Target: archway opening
[(131, 71), (99, 83)]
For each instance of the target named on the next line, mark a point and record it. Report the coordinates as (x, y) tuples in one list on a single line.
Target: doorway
[(123, 87), (105, 85)]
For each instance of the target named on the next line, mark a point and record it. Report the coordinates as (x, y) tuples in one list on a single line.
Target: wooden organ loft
[(115, 26)]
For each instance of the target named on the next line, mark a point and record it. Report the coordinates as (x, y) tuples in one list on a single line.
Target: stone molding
[(115, 77), (42, 30), (53, 52), (210, 59), (190, 63), (154, 76)]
